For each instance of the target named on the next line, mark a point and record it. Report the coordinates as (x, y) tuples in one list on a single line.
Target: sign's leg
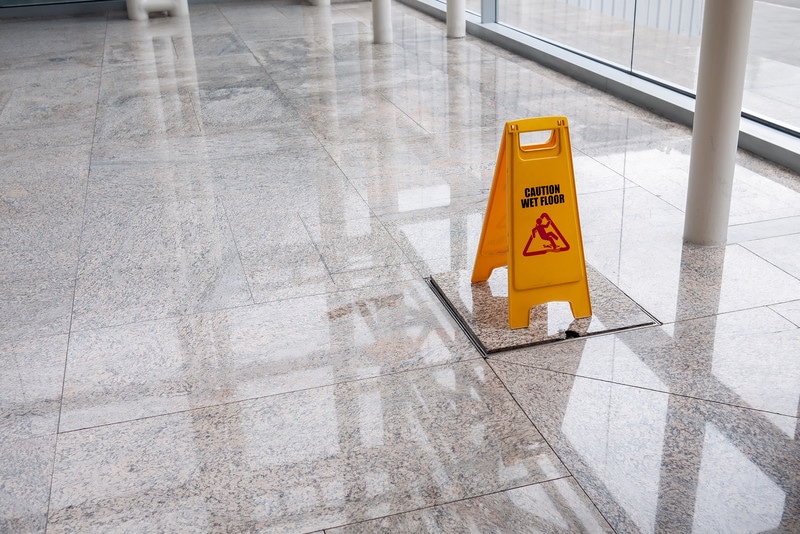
[(493, 245)]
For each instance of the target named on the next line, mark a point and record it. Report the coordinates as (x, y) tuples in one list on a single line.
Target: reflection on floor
[(214, 239)]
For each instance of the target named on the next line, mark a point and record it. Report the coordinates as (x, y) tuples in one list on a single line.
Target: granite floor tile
[(149, 116), (454, 262), (438, 228), (292, 175), (314, 78), (657, 462), (224, 107), (375, 276), (719, 358), (289, 21), (438, 104), (790, 310), (417, 173), (303, 53), (41, 212), (420, 192), (472, 155), (336, 116), (686, 281), (36, 42), (17, 140), (26, 467), (150, 368), (278, 256), (663, 169), (781, 252), (549, 507), (625, 143), (625, 210), (354, 244), (35, 305), (156, 183), (157, 260), (294, 462), (30, 386), (758, 198), (762, 230), (53, 95), (225, 145)]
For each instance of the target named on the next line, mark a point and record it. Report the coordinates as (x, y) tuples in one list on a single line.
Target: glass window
[(599, 28), (660, 40), (667, 43), (772, 81), (472, 5)]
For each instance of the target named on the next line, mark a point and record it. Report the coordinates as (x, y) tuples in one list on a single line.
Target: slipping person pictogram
[(545, 237)]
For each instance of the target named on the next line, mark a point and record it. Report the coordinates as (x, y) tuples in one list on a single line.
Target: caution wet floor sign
[(532, 223)]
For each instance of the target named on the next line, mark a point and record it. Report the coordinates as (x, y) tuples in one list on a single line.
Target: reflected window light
[(558, 314), (430, 239), (420, 198), (599, 421), (446, 378), (357, 215), (362, 333), (434, 349), (474, 227), (370, 419), (289, 433), (733, 494), (766, 380)]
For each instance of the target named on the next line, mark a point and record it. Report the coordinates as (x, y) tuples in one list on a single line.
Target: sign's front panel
[(545, 239)]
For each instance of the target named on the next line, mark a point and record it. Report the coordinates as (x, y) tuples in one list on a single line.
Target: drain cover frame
[(484, 320)]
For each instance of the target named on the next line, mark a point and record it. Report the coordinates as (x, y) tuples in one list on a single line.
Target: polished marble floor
[(214, 236)]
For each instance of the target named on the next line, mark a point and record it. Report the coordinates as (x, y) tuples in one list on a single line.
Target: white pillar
[(456, 18), (381, 21), (715, 136)]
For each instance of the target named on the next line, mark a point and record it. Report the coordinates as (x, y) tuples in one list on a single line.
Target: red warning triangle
[(545, 237)]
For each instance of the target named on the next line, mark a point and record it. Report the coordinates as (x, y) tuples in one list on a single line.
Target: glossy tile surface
[(656, 462), (26, 468), (286, 463), (214, 238), (152, 368), (557, 506)]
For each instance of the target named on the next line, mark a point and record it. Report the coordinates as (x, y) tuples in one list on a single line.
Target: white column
[(381, 21), (715, 136), (456, 18)]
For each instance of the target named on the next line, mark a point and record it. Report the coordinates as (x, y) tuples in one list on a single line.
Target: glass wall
[(660, 40), (772, 83), (474, 6), (601, 29)]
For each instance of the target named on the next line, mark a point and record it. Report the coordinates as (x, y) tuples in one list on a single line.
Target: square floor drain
[(482, 311)]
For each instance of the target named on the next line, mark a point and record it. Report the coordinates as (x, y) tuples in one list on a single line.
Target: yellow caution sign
[(532, 222)]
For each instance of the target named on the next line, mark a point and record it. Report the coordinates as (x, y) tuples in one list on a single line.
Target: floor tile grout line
[(633, 386), (229, 225), (451, 502), (319, 253), (231, 402), (550, 446), (759, 256), (195, 313), (79, 245)]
